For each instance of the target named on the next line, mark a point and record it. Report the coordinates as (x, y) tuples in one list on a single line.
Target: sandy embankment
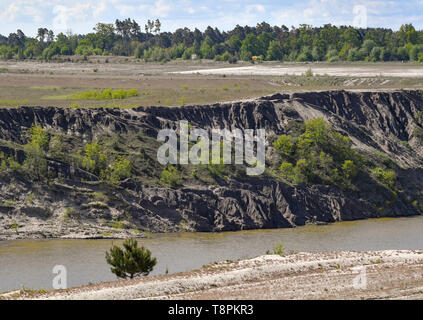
[(334, 275)]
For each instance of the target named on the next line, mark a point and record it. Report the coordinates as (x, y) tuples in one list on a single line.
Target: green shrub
[(320, 155), (55, 148), (287, 170), (14, 165), (15, 226), (170, 176), (131, 261), (349, 169), (278, 250), (39, 137), (308, 73), (94, 159), (386, 177), (301, 173), (35, 163), (284, 145), (120, 169)]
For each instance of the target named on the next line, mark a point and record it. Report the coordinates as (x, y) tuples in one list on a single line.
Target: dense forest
[(262, 42)]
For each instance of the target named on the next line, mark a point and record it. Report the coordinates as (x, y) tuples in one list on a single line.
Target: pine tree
[(130, 262)]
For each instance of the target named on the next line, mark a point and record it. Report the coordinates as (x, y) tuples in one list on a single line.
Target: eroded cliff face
[(384, 122)]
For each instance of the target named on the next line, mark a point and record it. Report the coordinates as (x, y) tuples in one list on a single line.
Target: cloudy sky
[(81, 15)]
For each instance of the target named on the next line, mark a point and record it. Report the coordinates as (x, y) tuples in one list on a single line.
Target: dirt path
[(389, 274)]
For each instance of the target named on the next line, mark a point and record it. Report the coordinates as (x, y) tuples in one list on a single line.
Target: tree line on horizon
[(262, 42)]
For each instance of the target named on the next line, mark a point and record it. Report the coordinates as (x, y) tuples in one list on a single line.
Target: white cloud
[(159, 9), (10, 13), (101, 7), (251, 9), (316, 12), (125, 10), (34, 13), (63, 15), (341, 12), (242, 15)]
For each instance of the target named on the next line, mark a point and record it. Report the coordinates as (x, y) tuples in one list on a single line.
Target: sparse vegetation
[(318, 155), (70, 213), (120, 169), (308, 73), (94, 159), (100, 197), (278, 250), (386, 177), (170, 176), (105, 94), (35, 163), (15, 226)]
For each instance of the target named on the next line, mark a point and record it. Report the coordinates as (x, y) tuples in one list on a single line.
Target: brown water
[(30, 263)]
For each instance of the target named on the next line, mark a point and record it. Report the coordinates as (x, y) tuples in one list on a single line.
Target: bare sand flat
[(391, 274), (371, 70)]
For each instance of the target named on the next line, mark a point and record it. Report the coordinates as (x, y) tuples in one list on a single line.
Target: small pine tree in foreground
[(131, 261)]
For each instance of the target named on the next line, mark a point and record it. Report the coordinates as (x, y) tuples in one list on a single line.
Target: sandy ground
[(115, 68), (392, 274), (187, 82), (137, 70), (51, 83), (399, 70)]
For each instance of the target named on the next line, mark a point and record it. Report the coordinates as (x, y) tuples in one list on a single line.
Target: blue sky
[(81, 15)]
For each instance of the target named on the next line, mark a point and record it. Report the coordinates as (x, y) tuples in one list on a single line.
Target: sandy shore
[(392, 274)]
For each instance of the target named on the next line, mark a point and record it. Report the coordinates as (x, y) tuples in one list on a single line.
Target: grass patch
[(104, 106), (100, 197), (70, 214), (14, 226), (118, 225), (104, 94), (278, 250)]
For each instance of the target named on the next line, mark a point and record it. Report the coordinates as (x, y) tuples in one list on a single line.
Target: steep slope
[(385, 125)]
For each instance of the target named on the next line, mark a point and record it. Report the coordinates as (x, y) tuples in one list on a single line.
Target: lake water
[(30, 263)]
